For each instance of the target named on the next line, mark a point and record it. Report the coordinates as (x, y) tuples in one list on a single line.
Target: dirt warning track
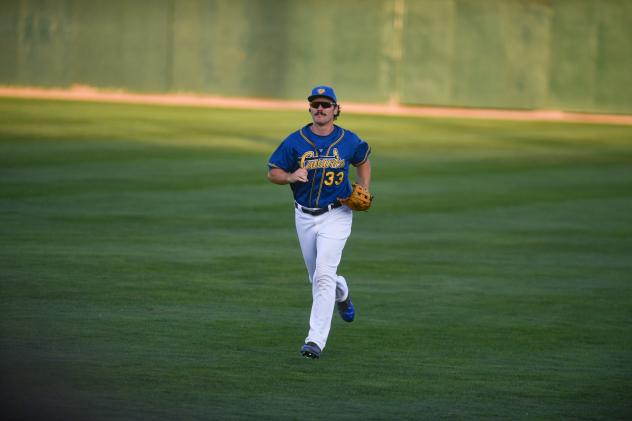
[(83, 93)]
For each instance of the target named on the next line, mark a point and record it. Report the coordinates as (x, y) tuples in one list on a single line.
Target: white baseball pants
[(322, 239)]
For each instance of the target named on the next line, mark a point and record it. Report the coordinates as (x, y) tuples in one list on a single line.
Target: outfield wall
[(573, 55)]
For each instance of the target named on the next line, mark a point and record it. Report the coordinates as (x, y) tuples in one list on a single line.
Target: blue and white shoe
[(311, 350), (346, 310)]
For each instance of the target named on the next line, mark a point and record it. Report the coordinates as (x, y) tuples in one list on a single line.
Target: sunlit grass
[(149, 271)]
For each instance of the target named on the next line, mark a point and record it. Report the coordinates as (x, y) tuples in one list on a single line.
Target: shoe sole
[(310, 355)]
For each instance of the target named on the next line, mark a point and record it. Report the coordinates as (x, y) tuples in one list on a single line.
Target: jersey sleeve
[(282, 157), (361, 153)]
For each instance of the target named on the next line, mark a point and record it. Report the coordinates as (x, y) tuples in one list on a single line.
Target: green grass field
[(149, 270)]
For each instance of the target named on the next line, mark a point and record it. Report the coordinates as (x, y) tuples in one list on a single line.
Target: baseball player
[(314, 161)]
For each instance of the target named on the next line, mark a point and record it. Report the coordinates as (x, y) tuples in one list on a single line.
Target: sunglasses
[(316, 104)]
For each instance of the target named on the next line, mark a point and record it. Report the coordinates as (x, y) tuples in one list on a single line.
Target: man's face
[(322, 110)]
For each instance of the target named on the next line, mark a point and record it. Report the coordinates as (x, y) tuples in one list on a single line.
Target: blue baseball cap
[(325, 91)]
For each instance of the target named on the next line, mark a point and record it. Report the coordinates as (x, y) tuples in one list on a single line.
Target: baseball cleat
[(310, 350), (346, 310)]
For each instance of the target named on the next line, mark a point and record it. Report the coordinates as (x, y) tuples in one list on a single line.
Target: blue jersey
[(326, 159)]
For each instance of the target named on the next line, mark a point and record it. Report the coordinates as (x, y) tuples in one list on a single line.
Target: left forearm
[(363, 174)]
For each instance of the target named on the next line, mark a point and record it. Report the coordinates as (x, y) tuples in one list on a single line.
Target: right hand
[(299, 175)]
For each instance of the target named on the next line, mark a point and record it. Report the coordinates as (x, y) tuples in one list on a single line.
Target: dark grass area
[(149, 271)]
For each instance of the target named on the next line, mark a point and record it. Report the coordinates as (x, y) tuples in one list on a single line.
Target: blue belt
[(317, 211)]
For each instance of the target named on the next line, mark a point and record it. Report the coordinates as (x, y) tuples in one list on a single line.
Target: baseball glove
[(360, 199)]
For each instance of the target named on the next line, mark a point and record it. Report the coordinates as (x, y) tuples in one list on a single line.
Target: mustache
[(318, 112)]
